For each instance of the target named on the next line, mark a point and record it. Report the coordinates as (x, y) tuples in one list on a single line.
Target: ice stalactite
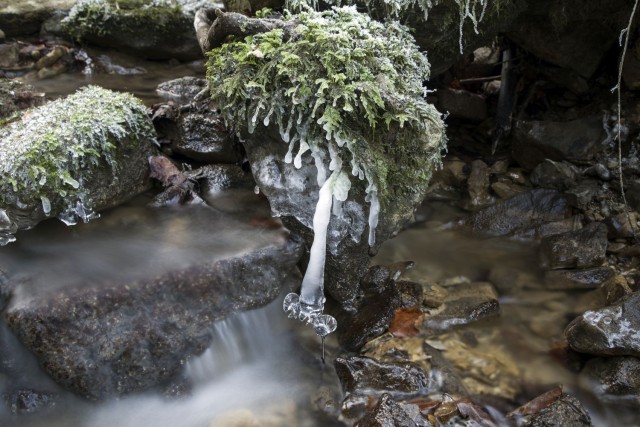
[(309, 305)]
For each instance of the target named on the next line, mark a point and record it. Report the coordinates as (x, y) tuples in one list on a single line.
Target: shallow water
[(261, 364)]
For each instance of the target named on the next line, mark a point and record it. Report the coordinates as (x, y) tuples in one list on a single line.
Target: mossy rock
[(22, 17), (72, 156), (16, 96), (345, 93), (150, 29)]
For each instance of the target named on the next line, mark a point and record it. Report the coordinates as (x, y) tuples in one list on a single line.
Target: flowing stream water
[(262, 366)]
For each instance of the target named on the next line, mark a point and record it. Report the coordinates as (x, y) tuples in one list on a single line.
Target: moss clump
[(46, 157), (344, 87), (101, 17)]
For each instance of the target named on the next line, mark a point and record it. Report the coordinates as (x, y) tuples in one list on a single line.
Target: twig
[(625, 32), (478, 80)]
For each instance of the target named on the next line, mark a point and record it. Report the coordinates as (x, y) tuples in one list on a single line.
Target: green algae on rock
[(71, 156), (157, 29)]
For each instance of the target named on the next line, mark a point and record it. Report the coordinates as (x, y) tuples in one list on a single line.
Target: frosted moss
[(471, 11), (347, 91), (45, 157), (100, 17)]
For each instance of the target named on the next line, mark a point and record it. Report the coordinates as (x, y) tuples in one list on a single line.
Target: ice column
[(308, 306)]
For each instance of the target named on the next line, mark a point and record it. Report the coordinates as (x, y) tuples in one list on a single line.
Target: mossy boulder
[(150, 29), (335, 94), (71, 157), (16, 96), (22, 17)]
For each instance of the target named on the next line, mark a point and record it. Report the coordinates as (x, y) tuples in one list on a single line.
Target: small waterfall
[(242, 339)]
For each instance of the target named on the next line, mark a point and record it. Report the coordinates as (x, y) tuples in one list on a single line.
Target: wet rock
[(227, 188), (506, 279), (146, 29), (550, 228), (553, 408), (556, 175), (614, 289), (182, 90), (135, 333), (478, 185), (588, 278), (465, 303), (462, 104), (27, 401), (3, 36), (524, 211), (97, 160), (609, 331), (385, 414), (613, 379), (535, 141), (411, 293), (583, 194), (577, 41), (442, 375), (22, 17), (363, 375), (576, 249), (599, 171), (506, 190), (371, 320), (196, 131), (15, 96), (619, 225)]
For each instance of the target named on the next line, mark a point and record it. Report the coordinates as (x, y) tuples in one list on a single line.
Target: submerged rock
[(27, 401), (465, 303), (118, 332), (611, 331), (575, 249), (149, 29), (73, 156), (588, 278)]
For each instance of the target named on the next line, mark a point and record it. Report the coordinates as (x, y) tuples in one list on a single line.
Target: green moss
[(343, 86), (46, 156), (103, 17)]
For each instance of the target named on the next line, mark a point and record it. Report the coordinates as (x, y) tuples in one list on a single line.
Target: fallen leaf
[(537, 404), (406, 321)]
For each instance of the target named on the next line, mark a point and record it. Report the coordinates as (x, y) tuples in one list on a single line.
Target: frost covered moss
[(343, 87), (46, 157), (102, 17)]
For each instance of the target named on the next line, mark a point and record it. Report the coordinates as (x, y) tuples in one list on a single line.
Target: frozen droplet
[(46, 205), (256, 189), (324, 324)]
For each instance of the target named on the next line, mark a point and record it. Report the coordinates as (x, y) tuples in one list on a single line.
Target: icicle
[(297, 162), (288, 158), (308, 306), (321, 176), (46, 205), (374, 212), (267, 118)]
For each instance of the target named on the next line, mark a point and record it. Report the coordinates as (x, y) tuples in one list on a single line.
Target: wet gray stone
[(535, 141), (521, 212), (588, 278), (610, 331), (134, 334), (181, 90), (556, 175), (613, 379), (465, 303), (28, 401), (196, 131), (364, 375), (386, 413), (619, 226), (575, 249), (566, 411)]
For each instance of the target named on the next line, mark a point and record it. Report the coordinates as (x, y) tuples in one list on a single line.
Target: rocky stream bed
[(509, 294)]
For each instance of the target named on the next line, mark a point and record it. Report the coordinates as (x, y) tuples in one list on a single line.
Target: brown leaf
[(406, 321), (538, 404)]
